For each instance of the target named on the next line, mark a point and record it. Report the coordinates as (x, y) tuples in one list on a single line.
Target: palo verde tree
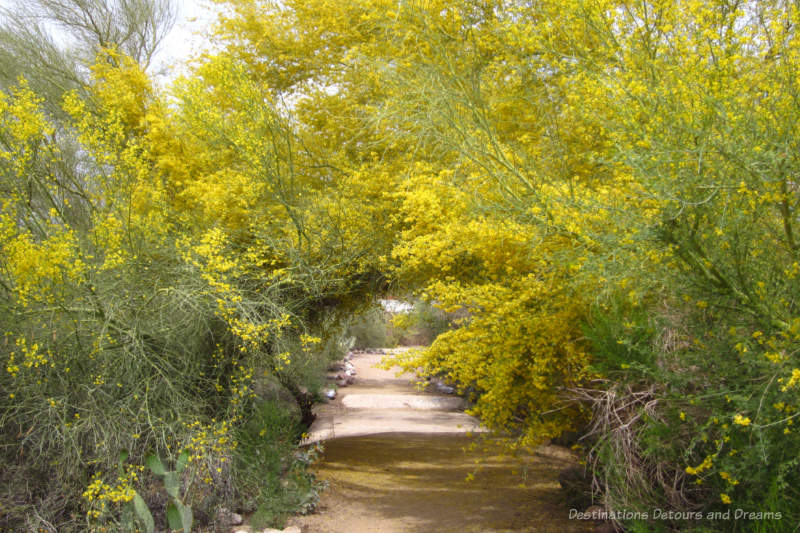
[(598, 184), (168, 263), (380, 94)]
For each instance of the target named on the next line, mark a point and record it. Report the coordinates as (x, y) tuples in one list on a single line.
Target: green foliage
[(133, 321), (369, 330), (179, 515), (621, 336), (143, 513), (273, 472), (421, 325)]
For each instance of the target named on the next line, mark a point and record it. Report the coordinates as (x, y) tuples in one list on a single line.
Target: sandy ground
[(418, 470), (417, 483), (380, 401)]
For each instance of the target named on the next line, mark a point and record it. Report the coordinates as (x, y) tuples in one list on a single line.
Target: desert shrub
[(695, 426), (273, 475), (369, 329), (134, 327), (715, 422)]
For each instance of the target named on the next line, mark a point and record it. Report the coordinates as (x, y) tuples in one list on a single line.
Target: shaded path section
[(417, 483)]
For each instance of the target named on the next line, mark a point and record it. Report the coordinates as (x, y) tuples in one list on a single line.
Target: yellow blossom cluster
[(210, 447), (99, 494)]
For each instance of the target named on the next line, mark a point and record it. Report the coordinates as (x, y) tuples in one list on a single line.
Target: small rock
[(343, 380), (226, 517), (330, 394), (445, 389), (596, 512)]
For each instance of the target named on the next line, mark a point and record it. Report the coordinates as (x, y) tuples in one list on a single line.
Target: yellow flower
[(741, 420), (725, 498), (795, 378), (705, 465)]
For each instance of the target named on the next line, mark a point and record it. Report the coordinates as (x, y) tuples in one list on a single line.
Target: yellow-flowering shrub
[(144, 292)]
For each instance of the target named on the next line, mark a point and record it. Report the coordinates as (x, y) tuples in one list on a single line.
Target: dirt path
[(380, 402), (404, 463)]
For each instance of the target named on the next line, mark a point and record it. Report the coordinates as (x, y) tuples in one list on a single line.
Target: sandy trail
[(382, 402), (406, 470)]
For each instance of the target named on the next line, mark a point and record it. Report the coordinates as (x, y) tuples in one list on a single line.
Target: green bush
[(132, 328), (701, 419), (369, 329), (271, 471)]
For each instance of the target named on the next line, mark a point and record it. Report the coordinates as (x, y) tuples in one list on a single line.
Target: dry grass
[(623, 474)]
